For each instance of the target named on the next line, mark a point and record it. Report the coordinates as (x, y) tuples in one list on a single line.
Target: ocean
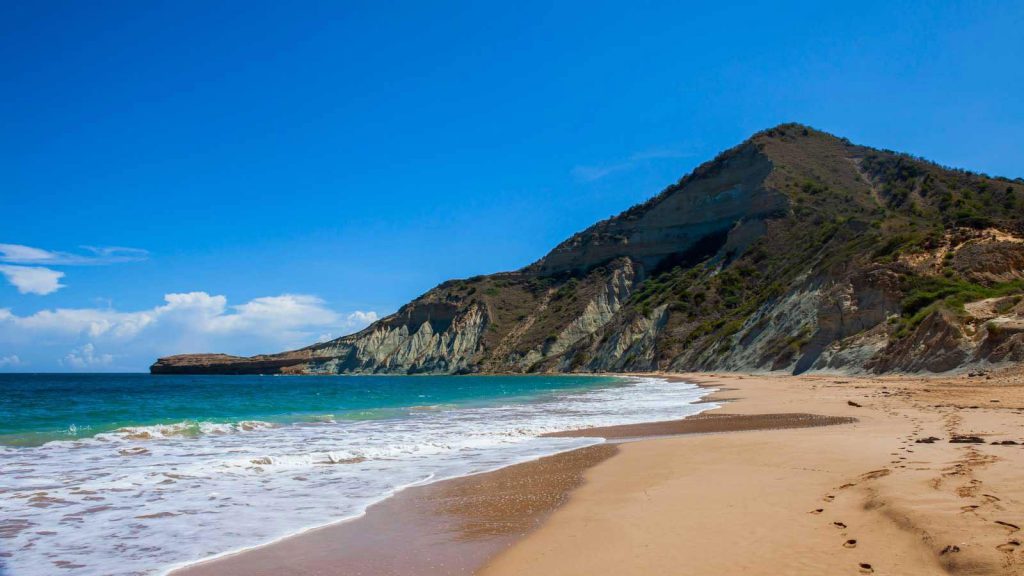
[(117, 474)]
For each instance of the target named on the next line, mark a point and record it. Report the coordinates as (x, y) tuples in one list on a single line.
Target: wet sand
[(449, 527), (707, 423)]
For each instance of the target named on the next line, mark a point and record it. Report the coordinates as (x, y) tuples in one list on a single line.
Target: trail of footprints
[(848, 541), (962, 468), (899, 462)]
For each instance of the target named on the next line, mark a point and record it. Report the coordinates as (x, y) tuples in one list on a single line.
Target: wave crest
[(189, 429)]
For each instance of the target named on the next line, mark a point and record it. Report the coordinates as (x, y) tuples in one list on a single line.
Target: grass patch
[(926, 294)]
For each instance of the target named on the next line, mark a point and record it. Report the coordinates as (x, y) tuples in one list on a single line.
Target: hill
[(793, 251)]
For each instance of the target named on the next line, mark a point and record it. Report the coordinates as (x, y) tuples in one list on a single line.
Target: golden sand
[(858, 498), (807, 475)]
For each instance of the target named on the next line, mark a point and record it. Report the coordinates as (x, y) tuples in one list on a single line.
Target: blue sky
[(255, 175)]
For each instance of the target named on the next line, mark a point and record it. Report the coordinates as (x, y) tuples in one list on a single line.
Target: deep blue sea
[(111, 474)]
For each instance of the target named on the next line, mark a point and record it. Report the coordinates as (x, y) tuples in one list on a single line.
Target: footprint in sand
[(866, 568), (829, 498), (1010, 546), (817, 511), (1012, 527), (839, 525), (851, 543), (876, 474)]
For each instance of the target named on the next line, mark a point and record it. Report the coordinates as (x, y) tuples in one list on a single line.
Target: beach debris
[(966, 440)]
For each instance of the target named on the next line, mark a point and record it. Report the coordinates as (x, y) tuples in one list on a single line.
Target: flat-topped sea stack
[(794, 251)]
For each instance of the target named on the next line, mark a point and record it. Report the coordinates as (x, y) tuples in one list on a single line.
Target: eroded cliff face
[(795, 251), (434, 338), (681, 226)]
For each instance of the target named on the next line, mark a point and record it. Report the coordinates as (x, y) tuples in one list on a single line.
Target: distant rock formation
[(794, 251)]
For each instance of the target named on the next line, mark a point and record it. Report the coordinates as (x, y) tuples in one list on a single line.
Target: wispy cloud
[(107, 338), (43, 280), (94, 255), (592, 173), (32, 279), (11, 360)]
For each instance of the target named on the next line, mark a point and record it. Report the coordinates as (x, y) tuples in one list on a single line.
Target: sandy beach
[(888, 494), (793, 475)]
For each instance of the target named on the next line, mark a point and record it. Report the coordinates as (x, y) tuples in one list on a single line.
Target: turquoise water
[(37, 408)]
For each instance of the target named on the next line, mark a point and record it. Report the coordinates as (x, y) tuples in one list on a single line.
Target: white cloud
[(11, 360), (361, 319), (185, 322), (85, 357), (21, 254), (355, 321), (32, 279), (195, 311)]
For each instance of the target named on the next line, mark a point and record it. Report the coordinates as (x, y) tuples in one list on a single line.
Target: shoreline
[(511, 513), (669, 497), (451, 526), (571, 462)]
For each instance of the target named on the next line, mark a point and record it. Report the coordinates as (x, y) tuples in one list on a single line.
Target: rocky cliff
[(794, 251)]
